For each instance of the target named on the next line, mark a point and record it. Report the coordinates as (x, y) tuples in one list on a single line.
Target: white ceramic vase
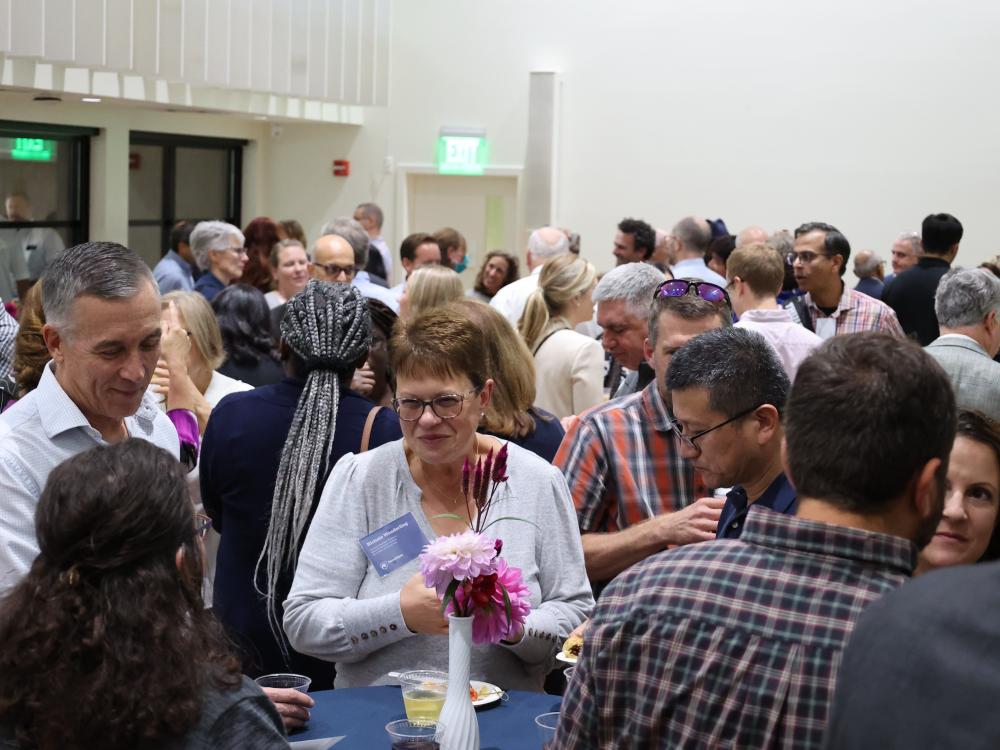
[(461, 727)]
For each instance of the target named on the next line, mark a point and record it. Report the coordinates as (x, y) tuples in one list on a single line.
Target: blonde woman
[(291, 271), (569, 367), (429, 287)]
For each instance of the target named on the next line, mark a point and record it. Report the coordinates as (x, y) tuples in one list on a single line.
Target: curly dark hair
[(644, 234), (245, 323), (513, 272), (261, 235), (107, 628)]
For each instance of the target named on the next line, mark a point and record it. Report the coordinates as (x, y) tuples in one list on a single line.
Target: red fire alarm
[(341, 168)]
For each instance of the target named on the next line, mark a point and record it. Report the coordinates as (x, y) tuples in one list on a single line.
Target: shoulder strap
[(366, 434), (802, 310), (553, 333)]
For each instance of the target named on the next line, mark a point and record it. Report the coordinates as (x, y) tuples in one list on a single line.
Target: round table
[(359, 715)]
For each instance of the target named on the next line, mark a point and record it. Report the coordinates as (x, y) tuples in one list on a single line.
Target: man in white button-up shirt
[(543, 245), (102, 309)]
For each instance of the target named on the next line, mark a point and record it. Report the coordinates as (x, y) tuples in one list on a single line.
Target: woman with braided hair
[(265, 457)]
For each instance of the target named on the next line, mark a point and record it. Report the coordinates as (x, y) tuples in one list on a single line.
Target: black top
[(921, 668), (911, 295), (239, 464), (779, 497), (265, 371), (544, 440)]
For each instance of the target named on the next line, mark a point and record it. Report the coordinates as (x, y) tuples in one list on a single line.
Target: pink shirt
[(789, 339)]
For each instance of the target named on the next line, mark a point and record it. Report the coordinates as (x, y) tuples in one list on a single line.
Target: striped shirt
[(728, 643), (856, 312), (622, 464), (8, 335)]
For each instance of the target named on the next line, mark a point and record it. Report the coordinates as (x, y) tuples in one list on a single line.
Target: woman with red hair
[(261, 235)]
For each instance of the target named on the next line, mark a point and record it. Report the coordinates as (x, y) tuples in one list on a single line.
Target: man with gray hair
[(369, 215), (355, 234), (967, 304), (906, 251), (691, 236), (543, 245), (219, 250), (623, 297), (868, 267), (102, 312)]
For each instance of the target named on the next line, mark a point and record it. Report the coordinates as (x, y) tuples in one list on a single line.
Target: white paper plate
[(488, 693), (566, 658)]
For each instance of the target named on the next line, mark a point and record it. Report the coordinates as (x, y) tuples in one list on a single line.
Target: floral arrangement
[(466, 569)]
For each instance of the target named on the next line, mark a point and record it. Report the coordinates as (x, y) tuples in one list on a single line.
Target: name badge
[(394, 545)]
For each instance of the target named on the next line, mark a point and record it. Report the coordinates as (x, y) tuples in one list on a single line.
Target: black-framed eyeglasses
[(202, 524), (445, 406), (706, 290), (805, 256), (334, 270), (688, 440)]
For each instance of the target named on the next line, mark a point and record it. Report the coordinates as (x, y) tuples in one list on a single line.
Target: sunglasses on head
[(705, 289)]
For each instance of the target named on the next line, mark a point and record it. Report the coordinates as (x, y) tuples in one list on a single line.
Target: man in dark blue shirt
[(728, 389)]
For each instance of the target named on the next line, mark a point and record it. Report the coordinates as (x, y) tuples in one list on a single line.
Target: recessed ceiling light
[(91, 99)]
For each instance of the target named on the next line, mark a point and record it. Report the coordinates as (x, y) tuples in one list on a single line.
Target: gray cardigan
[(340, 610)]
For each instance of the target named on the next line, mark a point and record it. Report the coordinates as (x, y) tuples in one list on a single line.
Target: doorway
[(482, 208)]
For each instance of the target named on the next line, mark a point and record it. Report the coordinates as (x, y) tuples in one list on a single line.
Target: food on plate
[(573, 646)]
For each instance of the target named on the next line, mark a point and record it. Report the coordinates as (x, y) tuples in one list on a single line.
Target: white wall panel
[(383, 32), (366, 54), (261, 33), (168, 63), (59, 31), (5, 25), (352, 31), (193, 42), (118, 34), (240, 13), (27, 21), (88, 28), (317, 48), (144, 40), (280, 41), (217, 42), (335, 51), (298, 47)]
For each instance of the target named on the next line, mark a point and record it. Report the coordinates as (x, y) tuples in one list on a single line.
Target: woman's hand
[(292, 705), (363, 381), (421, 608), (175, 343)]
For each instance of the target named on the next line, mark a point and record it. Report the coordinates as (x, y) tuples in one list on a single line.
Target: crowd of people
[(731, 462)]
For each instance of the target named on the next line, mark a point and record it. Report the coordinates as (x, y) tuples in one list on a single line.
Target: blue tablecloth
[(360, 716)]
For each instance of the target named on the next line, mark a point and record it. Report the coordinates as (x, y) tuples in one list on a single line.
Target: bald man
[(752, 235), (333, 259), (543, 245), (870, 269), (692, 236)]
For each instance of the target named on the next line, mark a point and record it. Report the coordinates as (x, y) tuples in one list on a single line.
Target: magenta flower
[(483, 597), (499, 473), (456, 557)]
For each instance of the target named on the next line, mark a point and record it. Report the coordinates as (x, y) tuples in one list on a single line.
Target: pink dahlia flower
[(483, 598), (456, 557)]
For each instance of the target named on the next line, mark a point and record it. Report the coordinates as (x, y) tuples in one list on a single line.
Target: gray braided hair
[(327, 325)]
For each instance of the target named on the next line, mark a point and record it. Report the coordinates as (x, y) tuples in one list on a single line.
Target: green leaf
[(449, 515), (510, 518), (449, 594), (506, 604)]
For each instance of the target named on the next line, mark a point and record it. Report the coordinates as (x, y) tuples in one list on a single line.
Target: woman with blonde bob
[(569, 366), (427, 287), (511, 414)]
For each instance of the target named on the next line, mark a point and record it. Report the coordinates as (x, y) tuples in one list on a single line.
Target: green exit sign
[(461, 154), (33, 149)]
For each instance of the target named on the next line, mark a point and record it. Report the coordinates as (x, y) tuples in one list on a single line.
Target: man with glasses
[(830, 307), (355, 234), (333, 260), (634, 493), (737, 642), (728, 391)]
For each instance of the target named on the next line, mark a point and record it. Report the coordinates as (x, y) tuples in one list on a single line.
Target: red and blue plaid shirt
[(728, 643)]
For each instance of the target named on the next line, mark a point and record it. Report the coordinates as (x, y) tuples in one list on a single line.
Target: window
[(173, 178)]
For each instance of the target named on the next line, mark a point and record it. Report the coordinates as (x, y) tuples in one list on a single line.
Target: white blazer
[(569, 373)]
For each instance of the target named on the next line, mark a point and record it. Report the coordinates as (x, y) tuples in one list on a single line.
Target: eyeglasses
[(445, 406), (334, 270), (240, 250), (706, 290), (688, 440), (202, 524), (804, 256)]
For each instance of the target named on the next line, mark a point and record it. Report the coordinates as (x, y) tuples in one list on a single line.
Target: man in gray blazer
[(967, 305)]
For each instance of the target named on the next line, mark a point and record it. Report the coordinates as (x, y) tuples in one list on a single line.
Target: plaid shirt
[(728, 643), (622, 465), (856, 312)]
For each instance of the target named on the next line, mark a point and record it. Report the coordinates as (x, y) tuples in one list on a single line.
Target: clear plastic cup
[(546, 725), (568, 674), (424, 692), (285, 680), (407, 735)]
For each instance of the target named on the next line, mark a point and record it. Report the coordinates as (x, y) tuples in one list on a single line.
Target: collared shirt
[(973, 374), (379, 244), (373, 291), (730, 643), (8, 336), (696, 268), (37, 434), (511, 299), (870, 286), (12, 270), (911, 295), (40, 246), (791, 341), (208, 284), (173, 273), (779, 497), (623, 466), (856, 312)]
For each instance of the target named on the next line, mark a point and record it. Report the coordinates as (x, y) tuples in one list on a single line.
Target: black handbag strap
[(802, 309), (553, 333)]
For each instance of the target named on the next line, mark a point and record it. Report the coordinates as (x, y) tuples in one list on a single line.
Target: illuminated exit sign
[(462, 154), (33, 149)]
